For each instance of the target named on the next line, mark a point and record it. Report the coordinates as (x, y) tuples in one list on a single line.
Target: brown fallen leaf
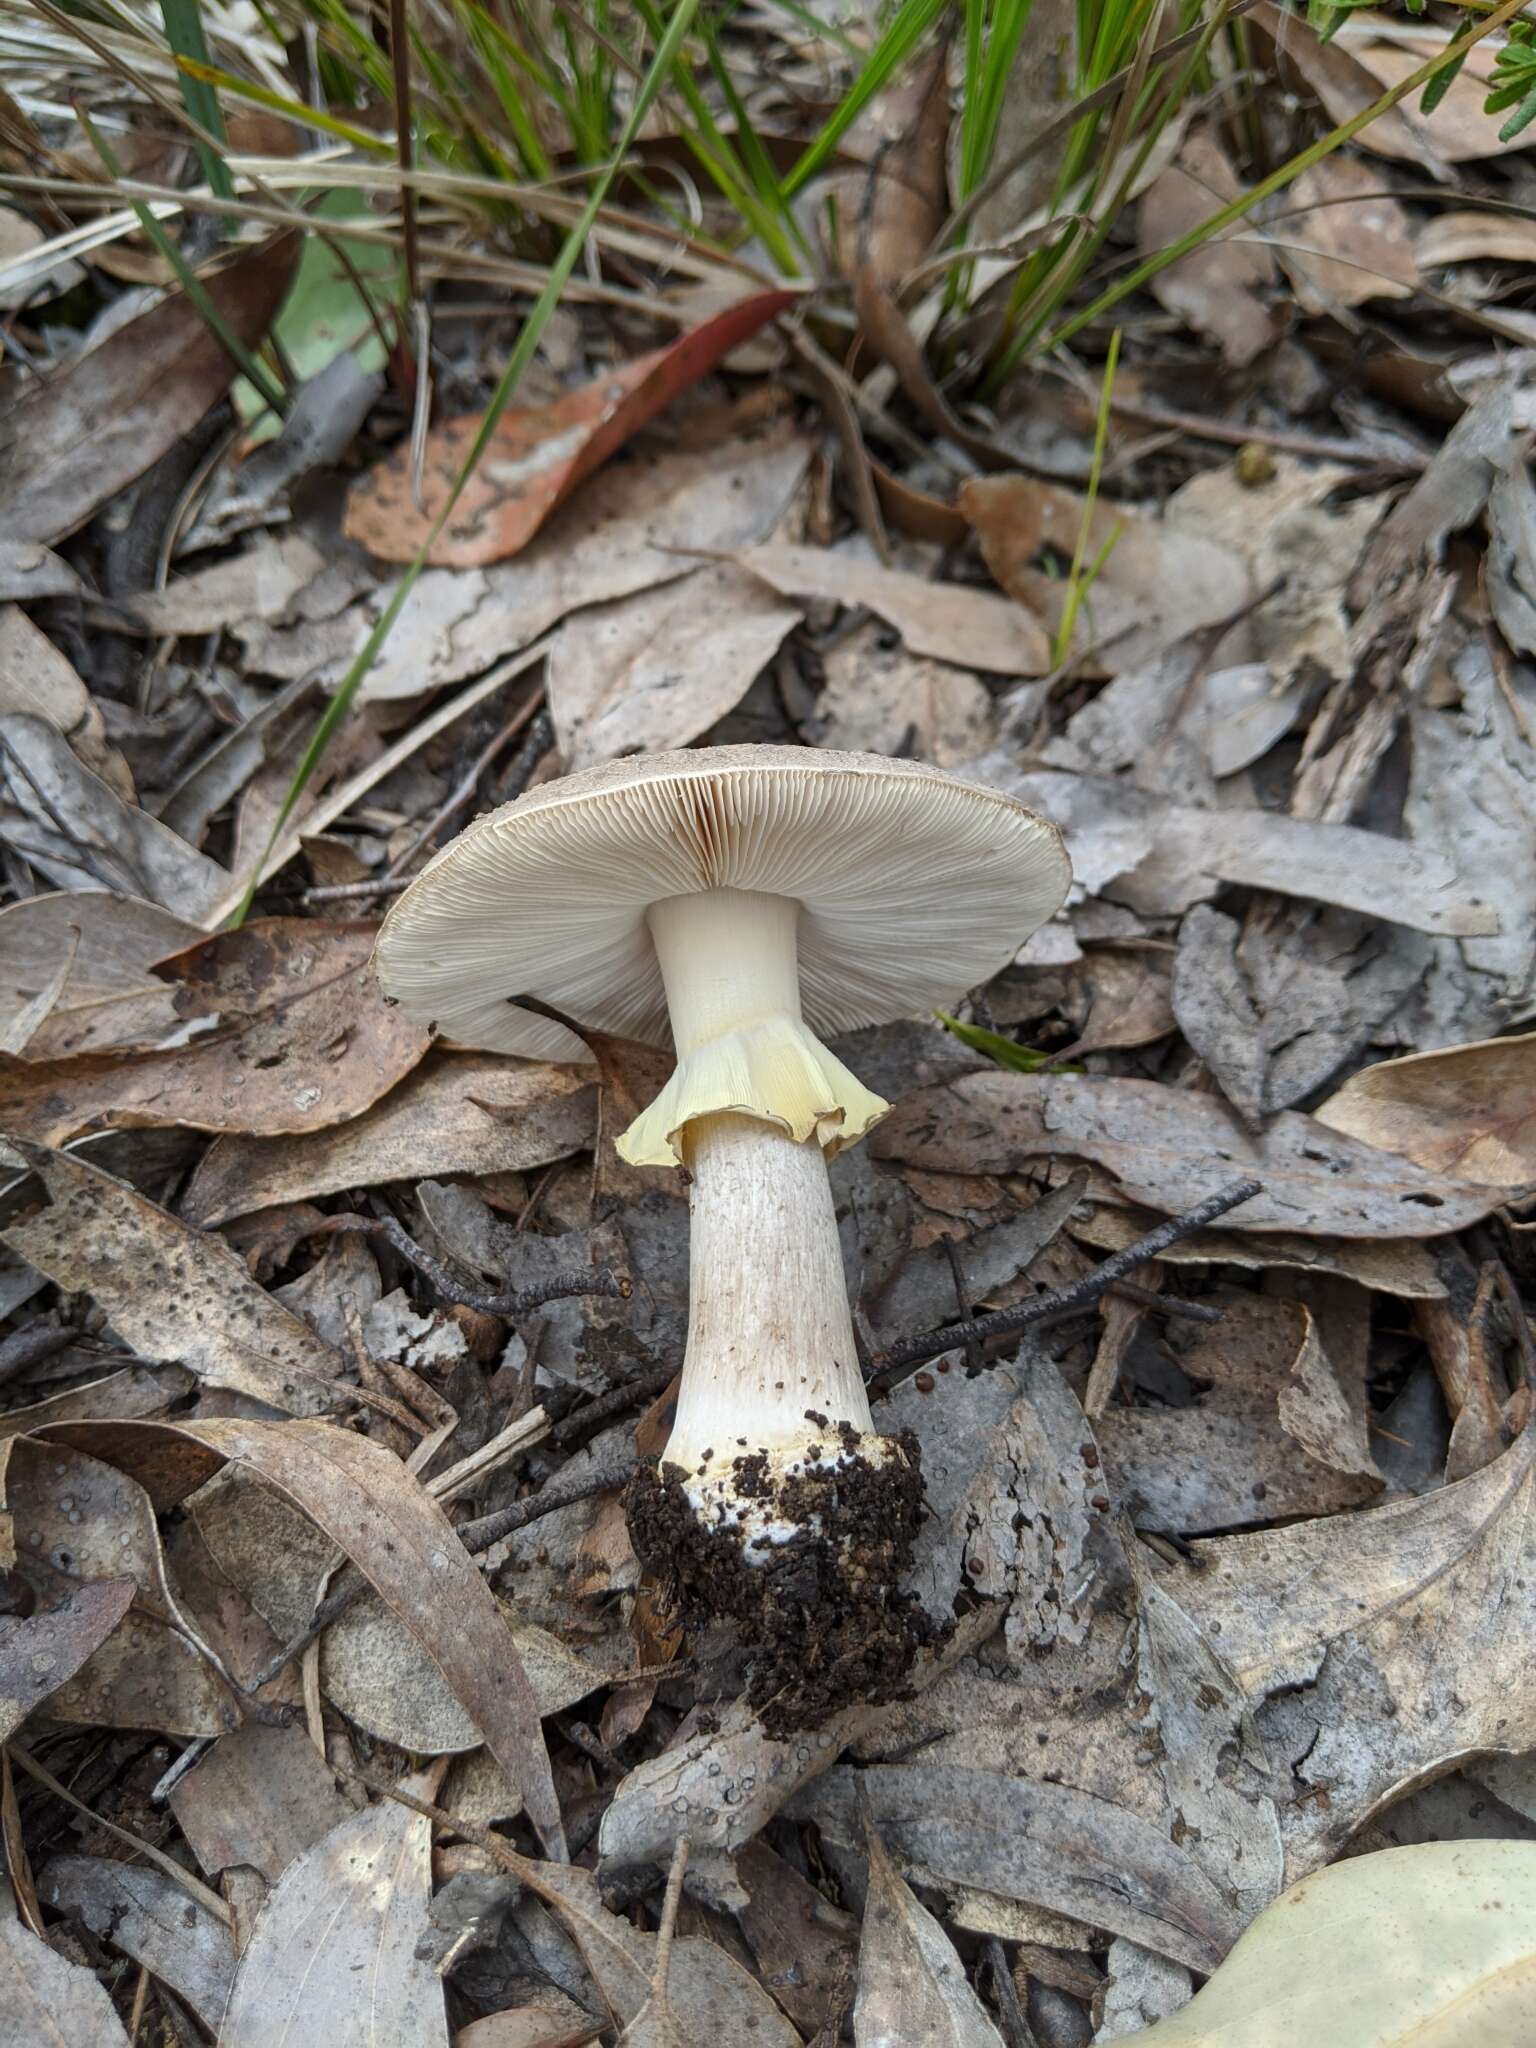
[(48, 2001), (1459, 130), (658, 668), (28, 571), (551, 2021), (335, 1955), (381, 1515), (948, 621), (886, 215), (262, 1796), (308, 1041), (36, 677), (1168, 1149), (109, 989), (1362, 237), (458, 1113), (536, 457), (147, 1916), (798, 1941), (1473, 237), (73, 440), (101, 1237), (1397, 1266), (78, 832), (1337, 73), (912, 1984), (1157, 583), (1467, 1110), (43, 1650), (74, 1518), (1216, 287)]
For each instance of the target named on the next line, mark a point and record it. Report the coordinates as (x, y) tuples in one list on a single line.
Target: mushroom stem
[(769, 1333)]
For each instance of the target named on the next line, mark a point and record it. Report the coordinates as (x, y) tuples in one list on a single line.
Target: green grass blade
[(184, 33), (1018, 1059), (522, 355), (908, 26)]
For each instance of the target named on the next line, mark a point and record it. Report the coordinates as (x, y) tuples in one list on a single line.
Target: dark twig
[(904, 1356), (522, 1301), (537, 741), (1016, 2030), (475, 1536), (1167, 1304), (646, 1388)]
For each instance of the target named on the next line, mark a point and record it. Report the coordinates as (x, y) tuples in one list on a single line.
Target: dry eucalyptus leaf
[(657, 668), (305, 1040), (116, 941), (630, 527), (799, 1941), (335, 1955), (76, 1518), (78, 831), (398, 1536), (1376, 1647), (551, 2021), (1169, 1148), (1427, 1947), (1215, 287), (36, 677), (151, 1918), (1049, 1844), (947, 621), (1473, 237), (912, 1985), (1468, 1110), (1389, 1266), (260, 1797), (1361, 235), (99, 1237), (456, 1114), (712, 1997), (43, 1650), (48, 2001)]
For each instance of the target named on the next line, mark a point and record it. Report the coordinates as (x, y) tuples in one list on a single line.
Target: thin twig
[(1167, 1304), (521, 1301), (646, 1388), (1016, 2030), (903, 1357)]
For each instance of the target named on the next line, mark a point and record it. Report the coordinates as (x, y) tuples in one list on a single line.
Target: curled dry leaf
[(948, 621), (72, 441), (76, 1518), (307, 1041), (1468, 1110), (381, 1515), (1473, 237), (77, 830), (1426, 1947), (154, 1920), (456, 1114), (48, 2001), (912, 1985), (1169, 1148), (100, 1237), (334, 1956), (535, 458), (43, 1650), (36, 677)]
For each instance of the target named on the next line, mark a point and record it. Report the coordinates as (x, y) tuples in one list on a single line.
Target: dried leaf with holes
[(535, 458), (307, 1041), (100, 1237)]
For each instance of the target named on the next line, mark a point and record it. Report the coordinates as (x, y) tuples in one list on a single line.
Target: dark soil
[(824, 1615)]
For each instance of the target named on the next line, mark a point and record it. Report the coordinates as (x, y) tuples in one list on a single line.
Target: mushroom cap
[(914, 887)]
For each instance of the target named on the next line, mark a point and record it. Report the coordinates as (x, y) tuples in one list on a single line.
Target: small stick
[(475, 1536), (1017, 2031), (520, 1302), (1167, 1304), (904, 1356)]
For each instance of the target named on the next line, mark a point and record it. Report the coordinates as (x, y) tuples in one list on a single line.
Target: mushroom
[(746, 901)]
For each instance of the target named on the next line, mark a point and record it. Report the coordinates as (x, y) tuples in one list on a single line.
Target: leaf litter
[(312, 1489)]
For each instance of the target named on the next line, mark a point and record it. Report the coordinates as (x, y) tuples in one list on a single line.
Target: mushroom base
[(823, 1613)]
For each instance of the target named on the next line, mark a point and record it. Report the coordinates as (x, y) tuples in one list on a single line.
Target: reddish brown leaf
[(535, 457), (73, 441)]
